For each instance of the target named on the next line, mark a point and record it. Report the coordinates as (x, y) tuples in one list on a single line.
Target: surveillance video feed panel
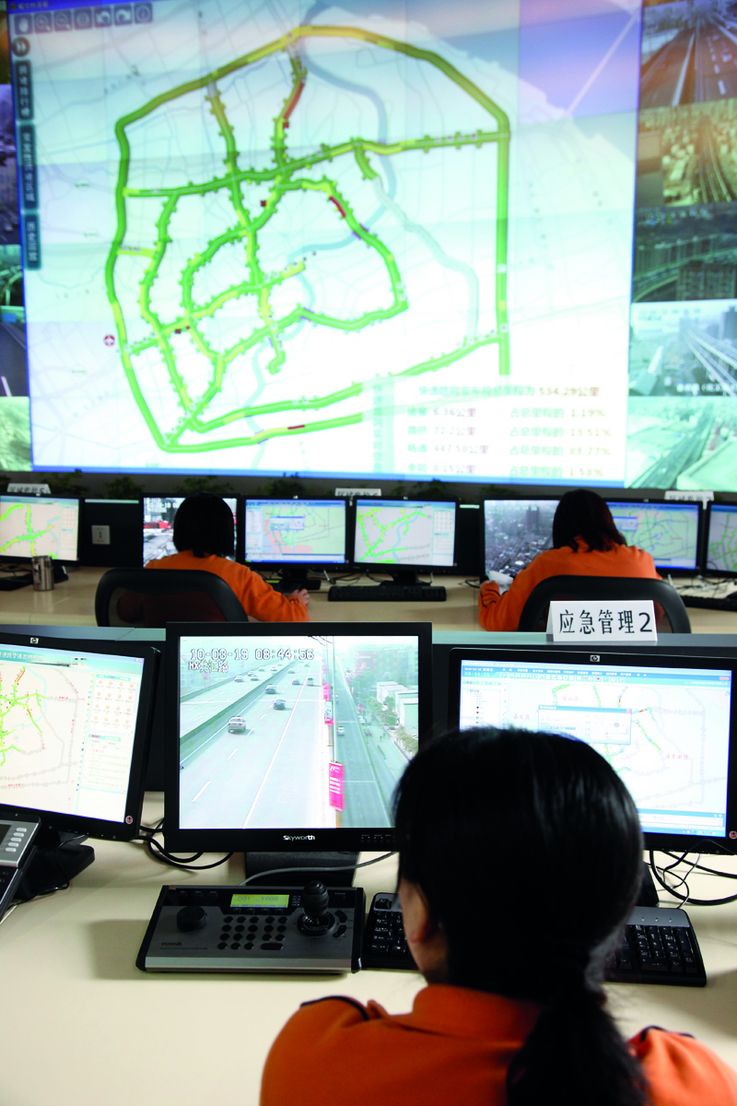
[(291, 735), (283, 532), (515, 531), (74, 734), (35, 526), (668, 531), (665, 723), (721, 542), (158, 525), (403, 532)]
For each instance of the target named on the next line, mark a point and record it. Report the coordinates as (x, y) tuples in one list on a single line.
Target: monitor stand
[(333, 869), (294, 579), (57, 859), (405, 577), (648, 895)]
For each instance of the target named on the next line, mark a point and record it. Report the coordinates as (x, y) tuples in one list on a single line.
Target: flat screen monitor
[(400, 536), (721, 539), (293, 534), (75, 729), (515, 531), (35, 526), (110, 532), (669, 531), (666, 723), (158, 525), (291, 737)]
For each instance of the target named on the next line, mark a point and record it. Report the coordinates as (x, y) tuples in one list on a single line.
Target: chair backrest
[(150, 597), (671, 615)]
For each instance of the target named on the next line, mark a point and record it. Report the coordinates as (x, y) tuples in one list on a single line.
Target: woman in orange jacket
[(586, 542), (204, 539), (520, 857)]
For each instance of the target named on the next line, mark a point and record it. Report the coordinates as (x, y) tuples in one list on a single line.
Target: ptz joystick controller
[(316, 921)]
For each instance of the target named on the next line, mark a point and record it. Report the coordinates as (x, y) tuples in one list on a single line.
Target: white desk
[(72, 603), (83, 1027)]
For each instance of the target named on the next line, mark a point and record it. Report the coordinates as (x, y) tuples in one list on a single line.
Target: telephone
[(16, 852)]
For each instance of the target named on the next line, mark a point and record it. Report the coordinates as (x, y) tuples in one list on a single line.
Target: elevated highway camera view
[(294, 732)]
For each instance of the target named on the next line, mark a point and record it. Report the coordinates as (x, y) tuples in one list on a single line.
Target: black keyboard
[(19, 580), (659, 945), (726, 602), (387, 593)]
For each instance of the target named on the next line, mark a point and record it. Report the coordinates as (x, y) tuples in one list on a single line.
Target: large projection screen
[(483, 241)]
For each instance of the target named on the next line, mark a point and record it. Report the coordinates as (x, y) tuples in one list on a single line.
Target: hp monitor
[(515, 531), (721, 539), (666, 723), (75, 730), (669, 531), (34, 526), (292, 535), (403, 536), (158, 525)]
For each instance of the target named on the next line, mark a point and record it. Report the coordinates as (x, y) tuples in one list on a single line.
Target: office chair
[(671, 615), (147, 597)]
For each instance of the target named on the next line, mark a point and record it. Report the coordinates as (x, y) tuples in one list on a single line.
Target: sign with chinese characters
[(336, 780), (602, 620)]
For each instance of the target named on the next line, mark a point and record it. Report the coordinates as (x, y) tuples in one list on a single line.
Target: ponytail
[(577, 1055)]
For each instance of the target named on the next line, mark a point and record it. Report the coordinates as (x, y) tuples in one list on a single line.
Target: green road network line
[(284, 176)]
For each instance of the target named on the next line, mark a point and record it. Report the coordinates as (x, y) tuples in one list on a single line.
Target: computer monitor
[(666, 723), (403, 536), (669, 531), (158, 525), (291, 737), (75, 728), (39, 525), (294, 535), (721, 539), (515, 531)]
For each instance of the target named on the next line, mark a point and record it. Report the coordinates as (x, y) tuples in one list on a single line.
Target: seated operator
[(204, 539), (520, 857), (586, 542)]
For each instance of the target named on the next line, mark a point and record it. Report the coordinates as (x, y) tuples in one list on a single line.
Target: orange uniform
[(258, 599), (502, 612), (454, 1047)]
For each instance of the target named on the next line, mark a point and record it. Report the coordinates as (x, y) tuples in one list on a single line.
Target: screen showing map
[(515, 531), (35, 526), (404, 532), (295, 531), (68, 727), (482, 241), (664, 726), (721, 542), (158, 525), (669, 532)]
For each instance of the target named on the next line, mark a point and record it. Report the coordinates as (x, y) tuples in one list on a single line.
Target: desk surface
[(89, 1028), (72, 603)]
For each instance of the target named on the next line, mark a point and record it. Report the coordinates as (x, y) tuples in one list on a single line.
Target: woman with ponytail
[(520, 857)]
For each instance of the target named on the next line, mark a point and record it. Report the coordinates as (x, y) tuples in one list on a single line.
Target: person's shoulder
[(681, 1070)]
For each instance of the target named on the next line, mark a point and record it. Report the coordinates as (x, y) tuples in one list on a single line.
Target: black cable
[(158, 853), (687, 897)]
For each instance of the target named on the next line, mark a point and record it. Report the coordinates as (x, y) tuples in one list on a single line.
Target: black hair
[(584, 514), (528, 851), (204, 524)]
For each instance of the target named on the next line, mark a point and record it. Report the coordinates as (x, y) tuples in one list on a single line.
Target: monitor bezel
[(389, 567), (510, 499), (276, 565), (660, 503), (730, 508), (87, 825), (26, 558), (286, 838), (653, 841)]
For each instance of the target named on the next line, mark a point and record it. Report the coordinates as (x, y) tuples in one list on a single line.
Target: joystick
[(316, 920), (190, 918)]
